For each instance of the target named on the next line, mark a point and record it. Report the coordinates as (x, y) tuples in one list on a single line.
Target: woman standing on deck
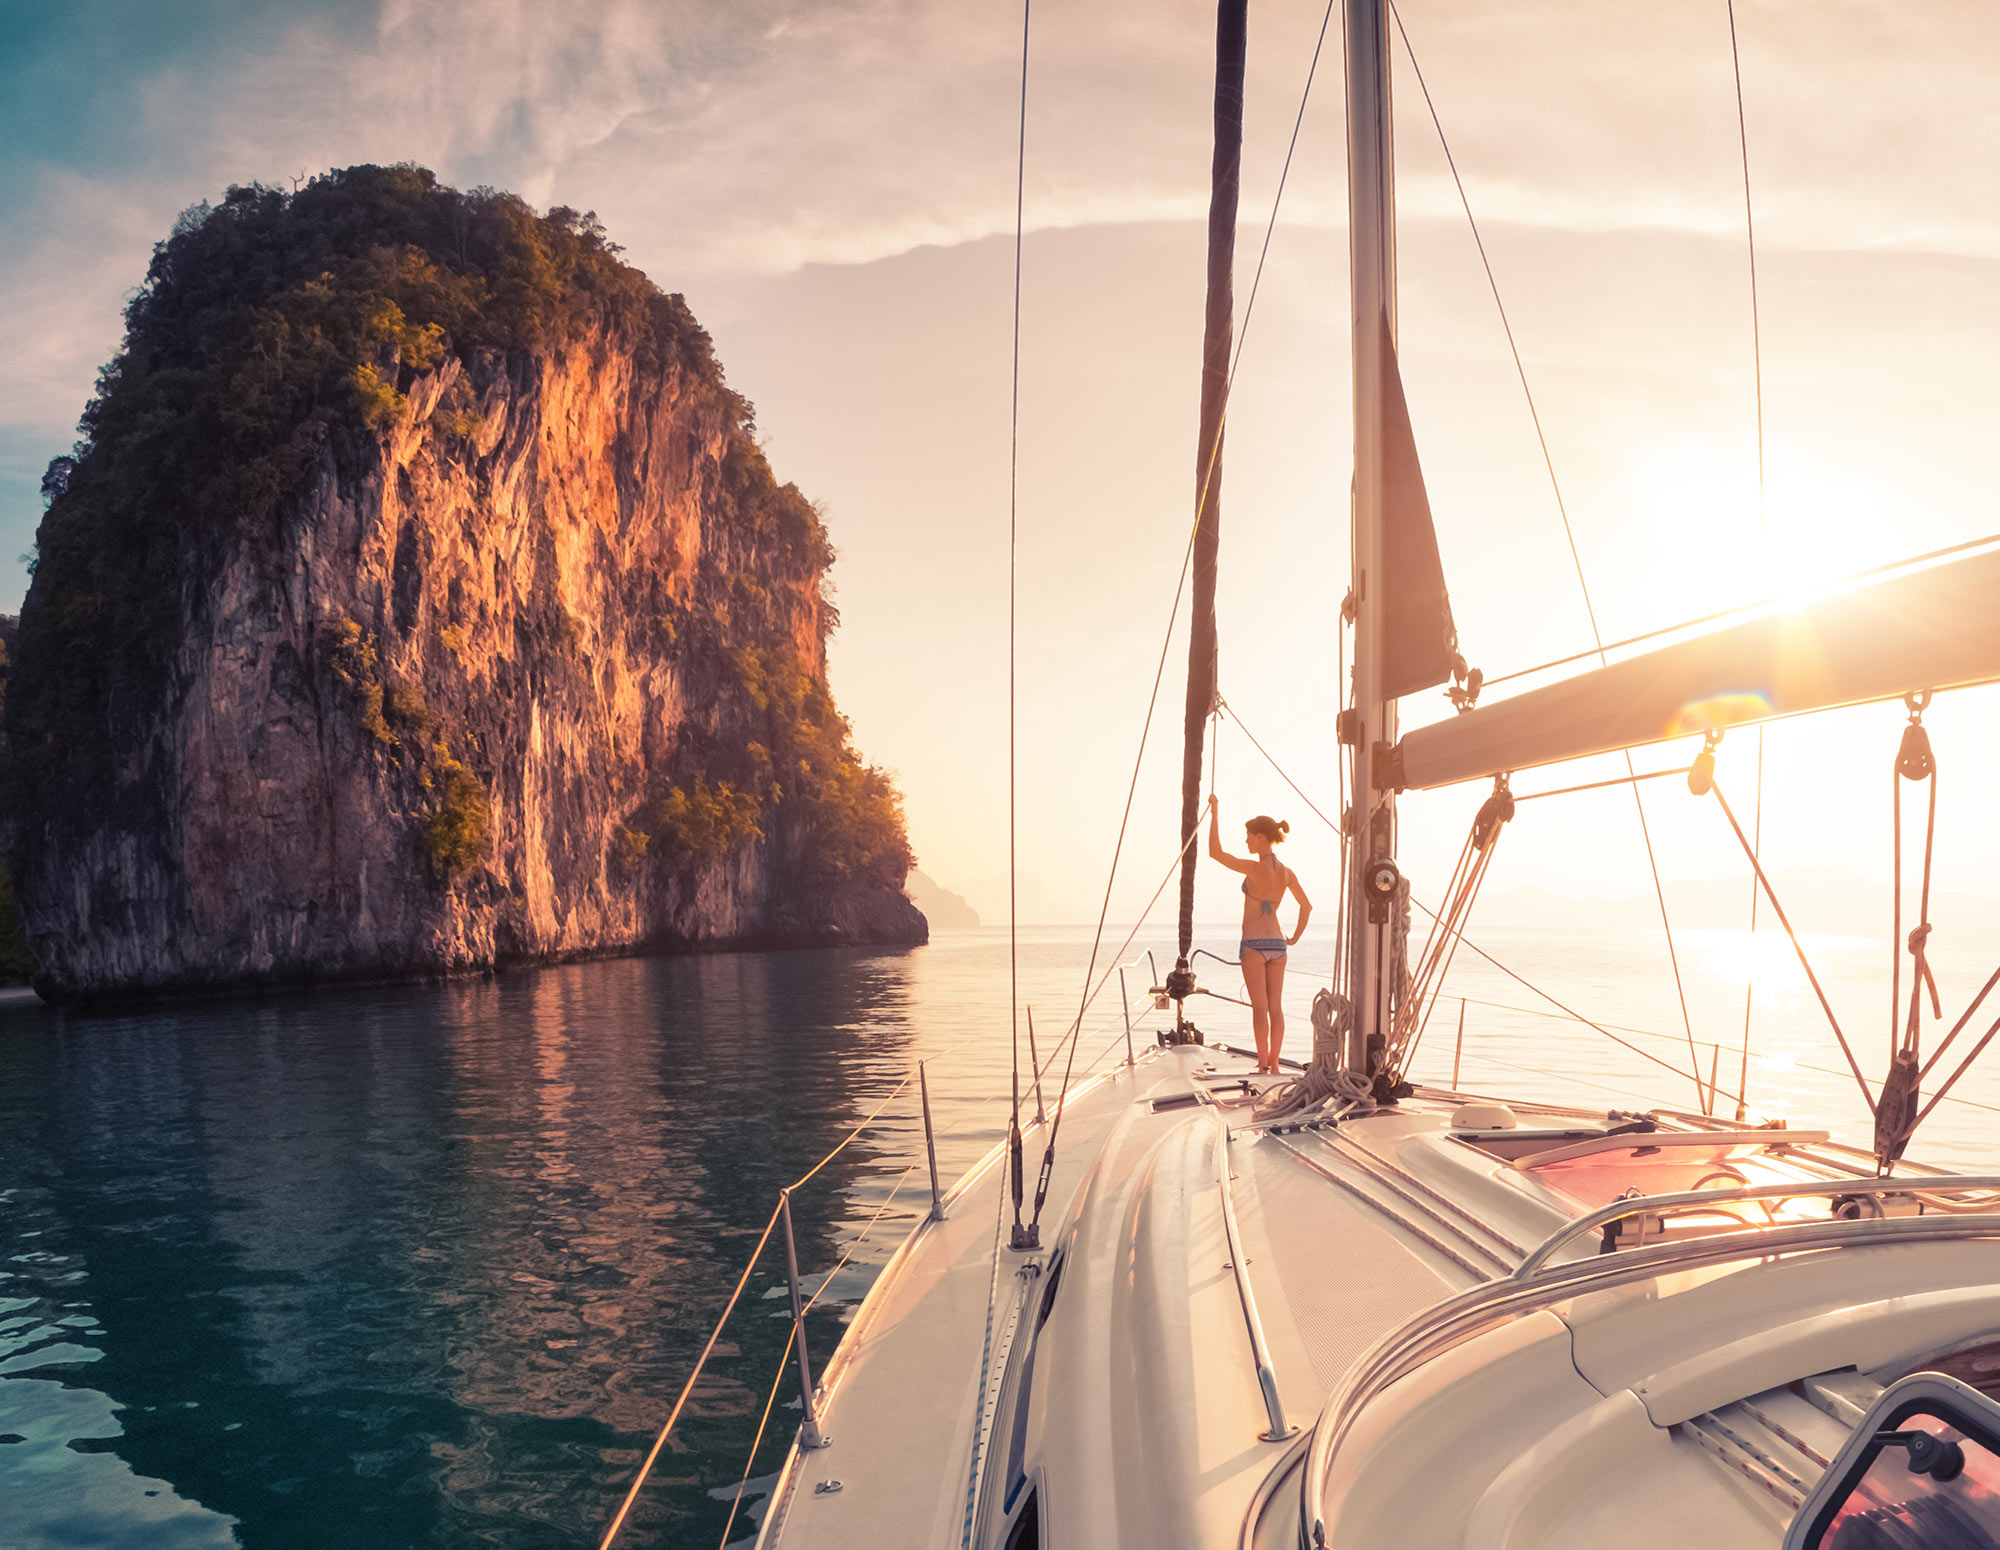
[(1266, 880)]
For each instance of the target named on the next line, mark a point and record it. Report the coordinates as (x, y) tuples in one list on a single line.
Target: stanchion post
[(1459, 1049), (1035, 1060), (930, 1145), (810, 1436), (1130, 1058)]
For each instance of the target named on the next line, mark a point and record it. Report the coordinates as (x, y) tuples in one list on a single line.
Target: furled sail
[(1931, 629), (1419, 642), (1231, 47)]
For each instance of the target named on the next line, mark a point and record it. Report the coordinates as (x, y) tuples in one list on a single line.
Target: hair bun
[(1284, 827)]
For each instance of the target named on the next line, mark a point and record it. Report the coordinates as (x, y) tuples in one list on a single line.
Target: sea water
[(427, 1266)]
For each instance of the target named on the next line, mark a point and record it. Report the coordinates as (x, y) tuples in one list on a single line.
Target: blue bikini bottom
[(1268, 946)]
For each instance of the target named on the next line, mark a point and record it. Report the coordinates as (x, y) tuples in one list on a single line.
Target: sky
[(832, 187)]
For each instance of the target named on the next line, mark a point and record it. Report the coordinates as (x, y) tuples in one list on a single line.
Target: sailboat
[(1337, 1310)]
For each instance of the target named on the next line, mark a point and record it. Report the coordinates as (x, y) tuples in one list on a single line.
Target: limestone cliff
[(421, 601)]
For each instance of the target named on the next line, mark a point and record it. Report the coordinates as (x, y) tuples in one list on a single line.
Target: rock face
[(524, 659)]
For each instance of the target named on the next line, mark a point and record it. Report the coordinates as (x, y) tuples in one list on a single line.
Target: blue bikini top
[(1265, 906)]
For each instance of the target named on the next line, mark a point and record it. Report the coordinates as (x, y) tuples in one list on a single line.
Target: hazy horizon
[(831, 186)]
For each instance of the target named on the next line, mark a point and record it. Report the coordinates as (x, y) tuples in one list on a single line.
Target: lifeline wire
[(674, 1415), (1757, 360), (785, 1357), (1655, 1033), (1562, 510), (1242, 339), (701, 1361)]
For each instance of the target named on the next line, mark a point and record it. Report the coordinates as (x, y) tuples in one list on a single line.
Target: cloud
[(765, 136)]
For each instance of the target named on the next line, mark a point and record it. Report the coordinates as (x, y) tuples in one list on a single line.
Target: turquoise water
[(426, 1266)]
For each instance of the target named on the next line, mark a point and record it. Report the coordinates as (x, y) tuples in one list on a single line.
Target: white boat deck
[(903, 1390), (1147, 1262), (1110, 1383)]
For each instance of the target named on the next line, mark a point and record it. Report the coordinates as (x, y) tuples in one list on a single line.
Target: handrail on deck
[(1929, 1184), (1267, 1375), (1443, 1324)]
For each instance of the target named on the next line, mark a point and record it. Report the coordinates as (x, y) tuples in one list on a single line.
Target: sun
[(1699, 543)]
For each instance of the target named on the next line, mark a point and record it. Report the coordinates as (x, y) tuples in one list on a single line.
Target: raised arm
[(1215, 850), (1305, 904)]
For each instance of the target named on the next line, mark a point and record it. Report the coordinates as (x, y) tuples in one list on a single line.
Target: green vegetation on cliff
[(276, 340), (274, 334)]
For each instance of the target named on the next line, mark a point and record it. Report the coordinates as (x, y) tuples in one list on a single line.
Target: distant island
[(419, 599), (940, 905)]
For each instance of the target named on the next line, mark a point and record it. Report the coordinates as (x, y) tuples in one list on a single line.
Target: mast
[(1371, 217), (1231, 34)]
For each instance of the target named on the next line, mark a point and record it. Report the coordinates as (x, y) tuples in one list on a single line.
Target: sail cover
[(1419, 641), (1231, 51), (1930, 629)]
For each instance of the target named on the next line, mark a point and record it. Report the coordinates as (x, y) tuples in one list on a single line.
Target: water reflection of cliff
[(425, 1266)]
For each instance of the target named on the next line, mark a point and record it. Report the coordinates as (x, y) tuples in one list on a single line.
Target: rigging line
[(861, 1238), (1757, 361), (1964, 1066), (1599, 785), (842, 1144), (1233, 716), (1562, 510), (1831, 589), (1075, 1028), (687, 1388), (763, 1421), (1235, 365), (1535, 989), (1568, 1011), (1779, 910), (1655, 1033), (1964, 1018), (791, 1335), (1013, 555), (985, 1371), (1565, 1076)]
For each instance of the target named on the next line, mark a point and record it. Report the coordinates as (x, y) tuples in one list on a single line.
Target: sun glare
[(1701, 540), (1765, 960)]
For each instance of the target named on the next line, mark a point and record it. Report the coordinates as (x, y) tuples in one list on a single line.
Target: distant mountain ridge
[(940, 905)]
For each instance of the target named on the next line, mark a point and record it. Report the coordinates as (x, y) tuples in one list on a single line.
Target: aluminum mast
[(1371, 214)]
